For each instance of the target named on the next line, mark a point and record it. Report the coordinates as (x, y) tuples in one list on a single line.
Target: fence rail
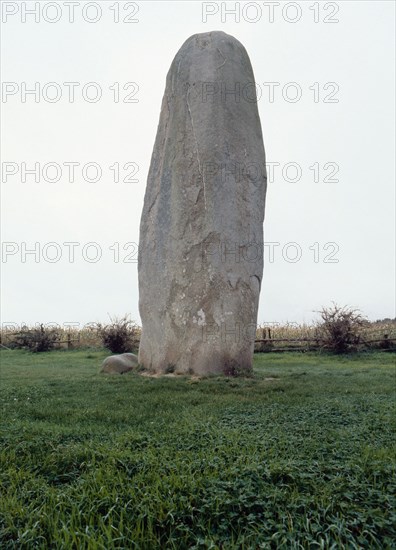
[(69, 341), (388, 344)]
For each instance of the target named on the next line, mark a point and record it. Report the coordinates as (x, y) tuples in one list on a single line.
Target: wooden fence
[(266, 345), (70, 342)]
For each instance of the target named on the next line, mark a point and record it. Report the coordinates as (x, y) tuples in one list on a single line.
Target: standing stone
[(201, 231)]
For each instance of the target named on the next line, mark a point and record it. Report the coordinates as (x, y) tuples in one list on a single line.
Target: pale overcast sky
[(329, 125)]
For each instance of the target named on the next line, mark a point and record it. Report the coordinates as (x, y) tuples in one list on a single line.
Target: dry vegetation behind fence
[(292, 336), (67, 338), (269, 337), (339, 329)]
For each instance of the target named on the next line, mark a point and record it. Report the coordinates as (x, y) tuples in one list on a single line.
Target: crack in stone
[(224, 57), (154, 201), (196, 147)]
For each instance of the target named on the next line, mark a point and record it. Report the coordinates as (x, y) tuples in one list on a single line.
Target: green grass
[(90, 461)]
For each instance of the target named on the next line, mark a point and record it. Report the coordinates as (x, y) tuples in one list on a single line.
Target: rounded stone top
[(211, 37), (212, 52), (211, 40)]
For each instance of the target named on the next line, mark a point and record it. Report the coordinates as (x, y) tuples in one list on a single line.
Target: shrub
[(36, 339), (120, 335), (339, 330)]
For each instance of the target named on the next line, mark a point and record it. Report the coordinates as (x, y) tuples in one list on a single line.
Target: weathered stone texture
[(119, 364)]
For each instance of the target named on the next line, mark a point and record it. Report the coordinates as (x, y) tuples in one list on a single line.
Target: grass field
[(300, 456)]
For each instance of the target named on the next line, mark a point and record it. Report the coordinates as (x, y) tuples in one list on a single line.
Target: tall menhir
[(201, 231)]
